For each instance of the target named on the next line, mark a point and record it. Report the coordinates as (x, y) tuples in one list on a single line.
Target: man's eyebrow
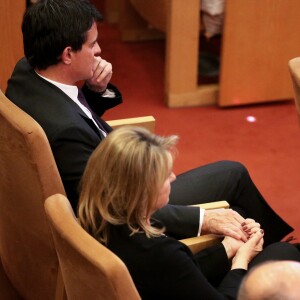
[(94, 41)]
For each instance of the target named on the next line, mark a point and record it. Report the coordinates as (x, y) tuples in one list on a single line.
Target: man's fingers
[(241, 233), (232, 233), (102, 73), (237, 216), (226, 222), (230, 223), (235, 233), (102, 69)]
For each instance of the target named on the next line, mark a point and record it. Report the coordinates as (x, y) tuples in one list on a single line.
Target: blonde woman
[(127, 179)]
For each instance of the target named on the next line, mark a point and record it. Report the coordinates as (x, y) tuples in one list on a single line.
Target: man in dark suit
[(61, 49)]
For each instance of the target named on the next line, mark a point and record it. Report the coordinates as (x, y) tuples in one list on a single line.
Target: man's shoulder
[(22, 70), (43, 101), (23, 64), (25, 85), (31, 92)]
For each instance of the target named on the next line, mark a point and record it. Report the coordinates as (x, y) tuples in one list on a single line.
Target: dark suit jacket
[(164, 268), (73, 136)]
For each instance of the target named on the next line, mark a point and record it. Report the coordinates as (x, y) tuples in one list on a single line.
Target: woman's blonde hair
[(122, 181)]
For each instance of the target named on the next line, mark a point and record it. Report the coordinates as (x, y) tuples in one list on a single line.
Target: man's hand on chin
[(102, 75)]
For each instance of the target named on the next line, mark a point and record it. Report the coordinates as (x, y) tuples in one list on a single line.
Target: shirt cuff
[(201, 217), (109, 94)]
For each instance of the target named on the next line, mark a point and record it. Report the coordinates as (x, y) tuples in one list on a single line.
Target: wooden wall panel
[(11, 50), (259, 39)]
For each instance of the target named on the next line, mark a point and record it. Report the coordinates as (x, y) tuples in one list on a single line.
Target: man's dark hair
[(49, 26)]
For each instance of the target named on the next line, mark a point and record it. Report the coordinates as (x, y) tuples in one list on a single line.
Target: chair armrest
[(214, 205), (199, 243), (146, 121)]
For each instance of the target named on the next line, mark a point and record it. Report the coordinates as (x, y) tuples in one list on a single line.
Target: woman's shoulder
[(159, 247)]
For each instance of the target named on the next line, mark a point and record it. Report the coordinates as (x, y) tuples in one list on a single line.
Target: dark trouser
[(224, 180), (276, 251)]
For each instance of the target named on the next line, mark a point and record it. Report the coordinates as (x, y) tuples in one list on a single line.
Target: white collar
[(70, 90)]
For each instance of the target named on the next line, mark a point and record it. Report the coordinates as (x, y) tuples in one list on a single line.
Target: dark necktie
[(83, 101)]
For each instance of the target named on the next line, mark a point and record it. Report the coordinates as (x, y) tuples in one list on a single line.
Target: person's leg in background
[(230, 181)]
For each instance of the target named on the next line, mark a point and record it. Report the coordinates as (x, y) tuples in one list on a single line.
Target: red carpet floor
[(269, 147)]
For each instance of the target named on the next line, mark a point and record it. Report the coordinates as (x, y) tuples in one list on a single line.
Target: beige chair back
[(7, 290), (28, 176), (89, 269), (294, 67)]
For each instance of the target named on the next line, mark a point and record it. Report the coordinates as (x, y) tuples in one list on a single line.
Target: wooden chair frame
[(28, 176), (294, 68), (89, 269), (29, 171)]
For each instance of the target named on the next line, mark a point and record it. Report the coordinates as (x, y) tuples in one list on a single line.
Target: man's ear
[(66, 56)]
